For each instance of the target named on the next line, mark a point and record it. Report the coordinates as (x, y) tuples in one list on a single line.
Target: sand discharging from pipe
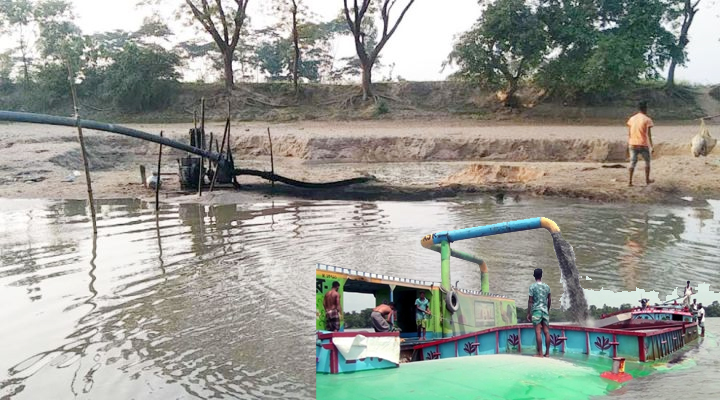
[(573, 298)]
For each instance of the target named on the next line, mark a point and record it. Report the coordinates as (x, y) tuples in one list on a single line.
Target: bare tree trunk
[(229, 77), (689, 13), (671, 74), (366, 81), (296, 43), (23, 51)]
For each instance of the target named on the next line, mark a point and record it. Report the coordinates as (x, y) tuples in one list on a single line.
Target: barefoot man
[(422, 313), (538, 311), (332, 308), (380, 317), (640, 141)]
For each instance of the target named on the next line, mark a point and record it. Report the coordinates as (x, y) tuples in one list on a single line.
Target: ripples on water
[(218, 300), (201, 302)]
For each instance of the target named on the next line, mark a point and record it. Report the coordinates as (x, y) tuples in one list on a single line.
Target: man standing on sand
[(422, 314), (538, 309), (380, 317), (331, 302), (640, 140), (688, 294)]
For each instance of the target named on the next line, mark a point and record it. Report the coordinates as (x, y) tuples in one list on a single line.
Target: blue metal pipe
[(489, 230), (14, 116)]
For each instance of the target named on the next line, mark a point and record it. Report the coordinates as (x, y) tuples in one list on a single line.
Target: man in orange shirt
[(640, 140)]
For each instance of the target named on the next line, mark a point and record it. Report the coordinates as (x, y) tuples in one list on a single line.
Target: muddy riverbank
[(410, 160)]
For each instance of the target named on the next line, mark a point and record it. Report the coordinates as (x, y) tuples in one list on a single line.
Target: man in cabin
[(538, 311), (701, 319), (640, 141), (422, 313), (332, 308), (380, 317), (694, 306), (688, 294)]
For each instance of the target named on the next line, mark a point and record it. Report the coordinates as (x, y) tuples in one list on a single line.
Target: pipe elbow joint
[(427, 241), (549, 224)]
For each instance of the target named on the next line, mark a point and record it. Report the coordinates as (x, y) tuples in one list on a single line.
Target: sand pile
[(480, 174)]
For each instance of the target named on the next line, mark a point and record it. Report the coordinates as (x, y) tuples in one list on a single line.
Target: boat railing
[(648, 309), (353, 272)]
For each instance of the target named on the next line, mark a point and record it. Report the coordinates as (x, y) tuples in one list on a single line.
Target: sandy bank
[(411, 160)]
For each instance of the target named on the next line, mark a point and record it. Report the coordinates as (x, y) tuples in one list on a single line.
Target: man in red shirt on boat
[(640, 141), (538, 311), (331, 302)]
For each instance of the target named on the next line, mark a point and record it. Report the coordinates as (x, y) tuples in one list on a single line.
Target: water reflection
[(216, 301), (166, 306)]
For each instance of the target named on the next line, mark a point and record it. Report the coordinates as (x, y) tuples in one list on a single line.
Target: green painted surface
[(485, 281), (323, 284), (485, 377), (445, 283)]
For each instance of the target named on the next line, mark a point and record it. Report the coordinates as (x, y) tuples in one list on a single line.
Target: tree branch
[(355, 28), (239, 21), (209, 28), (223, 20), (387, 36), (208, 16)]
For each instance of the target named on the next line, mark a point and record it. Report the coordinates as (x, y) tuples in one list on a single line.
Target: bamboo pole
[(227, 127), (82, 147), (272, 163), (157, 183), (200, 144)]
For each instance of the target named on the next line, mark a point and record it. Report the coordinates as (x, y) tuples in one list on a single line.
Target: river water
[(218, 301)]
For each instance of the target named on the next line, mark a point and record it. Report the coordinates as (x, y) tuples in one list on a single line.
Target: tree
[(602, 47), (60, 39), (18, 15), (506, 44), (572, 36), (678, 53), (141, 77), (368, 51), (277, 54), (210, 16)]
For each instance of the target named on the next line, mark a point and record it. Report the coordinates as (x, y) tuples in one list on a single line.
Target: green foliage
[(275, 53), (358, 320), (603, 47), (504, 46), (712, 310), (6, 67), (381, 108), (141, 78), (715, 93)]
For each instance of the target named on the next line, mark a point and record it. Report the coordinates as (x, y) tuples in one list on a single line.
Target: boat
[(469, 323)]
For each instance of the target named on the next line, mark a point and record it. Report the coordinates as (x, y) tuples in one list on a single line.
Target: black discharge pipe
[(14, 116), (310, 185)]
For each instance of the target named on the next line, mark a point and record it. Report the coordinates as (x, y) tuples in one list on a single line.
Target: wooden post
[(272, 163), (143, 179), (82, 147), (157, 184)]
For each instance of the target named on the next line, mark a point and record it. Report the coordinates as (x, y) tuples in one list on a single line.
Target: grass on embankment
[(277, 102)]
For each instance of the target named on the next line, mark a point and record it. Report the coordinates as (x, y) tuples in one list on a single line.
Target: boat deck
[(501, 376)]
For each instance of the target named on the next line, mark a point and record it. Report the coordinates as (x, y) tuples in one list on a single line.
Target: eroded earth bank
[(410, 160)]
